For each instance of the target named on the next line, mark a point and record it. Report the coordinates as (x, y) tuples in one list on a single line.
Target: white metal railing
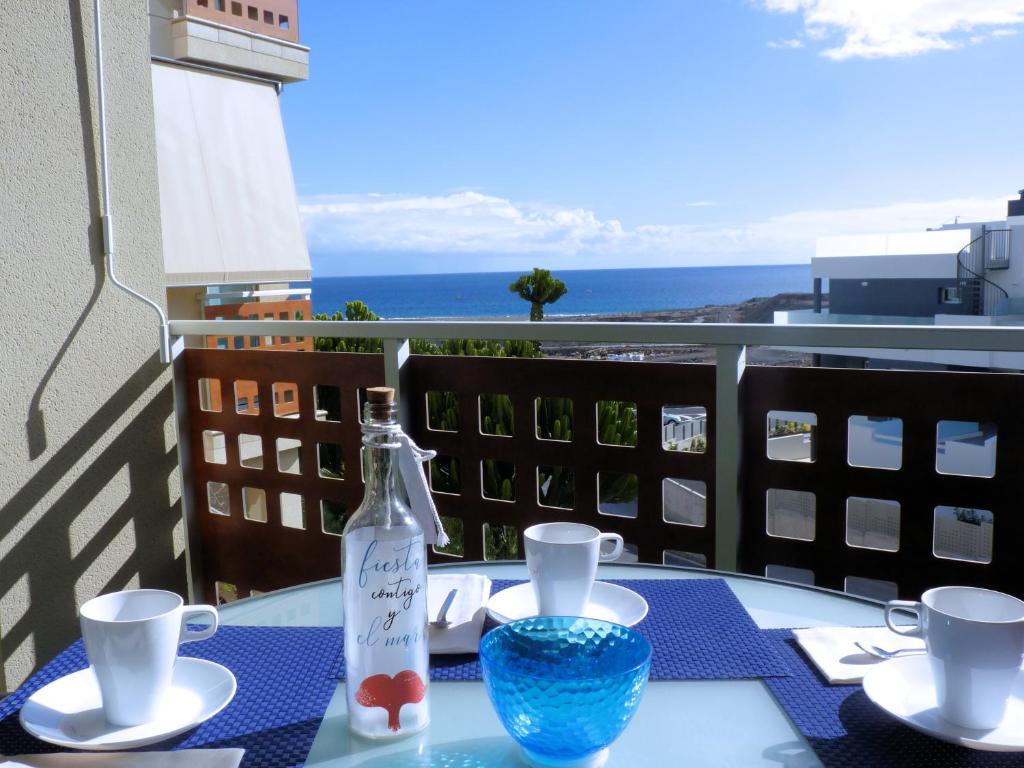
[(730, 341)]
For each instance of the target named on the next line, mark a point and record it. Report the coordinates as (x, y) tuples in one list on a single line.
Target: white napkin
[(833, 651), (186, 758), (466, 614)]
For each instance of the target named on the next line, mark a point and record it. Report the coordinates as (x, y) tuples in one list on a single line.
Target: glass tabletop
[(730, 722)]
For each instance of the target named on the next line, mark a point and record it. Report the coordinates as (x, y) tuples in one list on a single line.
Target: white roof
[(227, 198), (897, 255)]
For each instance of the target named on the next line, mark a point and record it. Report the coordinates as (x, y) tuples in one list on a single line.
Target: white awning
[(227, 198)]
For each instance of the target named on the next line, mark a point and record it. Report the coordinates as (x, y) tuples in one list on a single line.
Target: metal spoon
[(882, 653), (441, 622)]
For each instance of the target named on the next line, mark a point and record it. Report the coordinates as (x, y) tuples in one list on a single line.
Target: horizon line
[(553, 271)]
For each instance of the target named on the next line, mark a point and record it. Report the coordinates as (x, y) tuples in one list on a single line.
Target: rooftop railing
[(877, 482)]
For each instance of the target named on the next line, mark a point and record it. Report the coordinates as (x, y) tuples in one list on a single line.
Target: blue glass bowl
[(564, 687)]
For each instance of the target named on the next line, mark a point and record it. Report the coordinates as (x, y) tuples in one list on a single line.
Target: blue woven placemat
[(284, 687), (846, 730), (697, 628)]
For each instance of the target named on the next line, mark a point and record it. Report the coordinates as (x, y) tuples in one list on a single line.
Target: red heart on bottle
[(390, 693)]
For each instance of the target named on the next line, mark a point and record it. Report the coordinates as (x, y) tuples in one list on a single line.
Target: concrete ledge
[(208, 43)]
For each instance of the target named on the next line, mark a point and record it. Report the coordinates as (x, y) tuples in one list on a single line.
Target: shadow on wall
[(63, 553), (44, 559)]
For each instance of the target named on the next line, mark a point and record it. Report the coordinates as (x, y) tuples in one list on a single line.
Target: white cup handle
[(616, 550), (911, 606), (188, 635)]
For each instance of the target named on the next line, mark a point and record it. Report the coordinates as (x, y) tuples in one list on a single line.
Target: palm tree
[(538, 288)]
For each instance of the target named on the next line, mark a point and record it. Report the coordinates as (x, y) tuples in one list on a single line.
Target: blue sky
[(463, 135)]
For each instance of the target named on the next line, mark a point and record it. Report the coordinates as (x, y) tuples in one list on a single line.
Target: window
[(950, 296)]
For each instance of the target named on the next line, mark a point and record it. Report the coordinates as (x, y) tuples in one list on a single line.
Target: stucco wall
[(88, 472)]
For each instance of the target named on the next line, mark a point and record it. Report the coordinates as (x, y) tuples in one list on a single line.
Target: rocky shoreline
[(756, 310)]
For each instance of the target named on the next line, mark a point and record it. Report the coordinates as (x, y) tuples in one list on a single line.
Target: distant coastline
[(596, 293), (755, 310)]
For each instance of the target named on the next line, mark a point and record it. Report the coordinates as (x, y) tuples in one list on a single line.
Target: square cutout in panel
[(254, 504), (617, 494), (214, 449), (963, 533), (790, 514), (965, 448), (496, 417), (218, 498), (455, 529), (247, 397), (684, 559), (616, 423), (332, 516), (684, 502), (209, 395), (327, 402), (556, 487), (445, 475), (286, 400), (791, 436), (498, 480), (554, 420), (684, 428), (875, 442), (293, 510), (226, 593), (330, 461), (443, 411), (250, 451), (788, 573), (500, 542), (289, 455), (874, 589), (873, 523)]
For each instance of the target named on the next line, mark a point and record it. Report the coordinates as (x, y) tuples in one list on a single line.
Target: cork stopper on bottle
[(380, 395), (380, 404)]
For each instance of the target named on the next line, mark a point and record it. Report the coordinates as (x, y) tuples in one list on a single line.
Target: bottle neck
[(380, 472)]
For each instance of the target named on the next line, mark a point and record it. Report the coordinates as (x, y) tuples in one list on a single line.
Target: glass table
[(721, 723)]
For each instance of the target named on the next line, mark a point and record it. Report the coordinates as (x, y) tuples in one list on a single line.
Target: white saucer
[(905, 689), (608, 602), (68, 712)]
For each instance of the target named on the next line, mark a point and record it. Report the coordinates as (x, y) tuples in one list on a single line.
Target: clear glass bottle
[(384, 580)]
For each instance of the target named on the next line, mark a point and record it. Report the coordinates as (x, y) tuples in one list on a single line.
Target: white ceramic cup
[(131, 639), (975, 643), (562, 560)]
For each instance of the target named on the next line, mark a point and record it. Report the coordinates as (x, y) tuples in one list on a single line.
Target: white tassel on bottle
[(410, 464)]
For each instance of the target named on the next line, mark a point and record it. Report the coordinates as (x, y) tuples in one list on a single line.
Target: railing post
[(731, 360), (194, 576), (396, 353)]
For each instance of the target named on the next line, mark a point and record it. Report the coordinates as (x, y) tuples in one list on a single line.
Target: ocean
[(591, 291)]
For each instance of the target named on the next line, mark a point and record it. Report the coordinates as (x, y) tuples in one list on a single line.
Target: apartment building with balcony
[(233, 244), (962, 274)]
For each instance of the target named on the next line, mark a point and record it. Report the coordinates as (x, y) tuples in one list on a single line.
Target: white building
[(956, 275)]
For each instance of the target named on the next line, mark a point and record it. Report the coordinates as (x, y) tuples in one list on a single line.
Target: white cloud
[(500, 233), (886, 28), (790, 44)]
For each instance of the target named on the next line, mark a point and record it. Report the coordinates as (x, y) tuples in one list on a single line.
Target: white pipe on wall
[(106, 217)]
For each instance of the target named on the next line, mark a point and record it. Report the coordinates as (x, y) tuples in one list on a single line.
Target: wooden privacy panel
[(898, 500), (261, 481), (623, 397)]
